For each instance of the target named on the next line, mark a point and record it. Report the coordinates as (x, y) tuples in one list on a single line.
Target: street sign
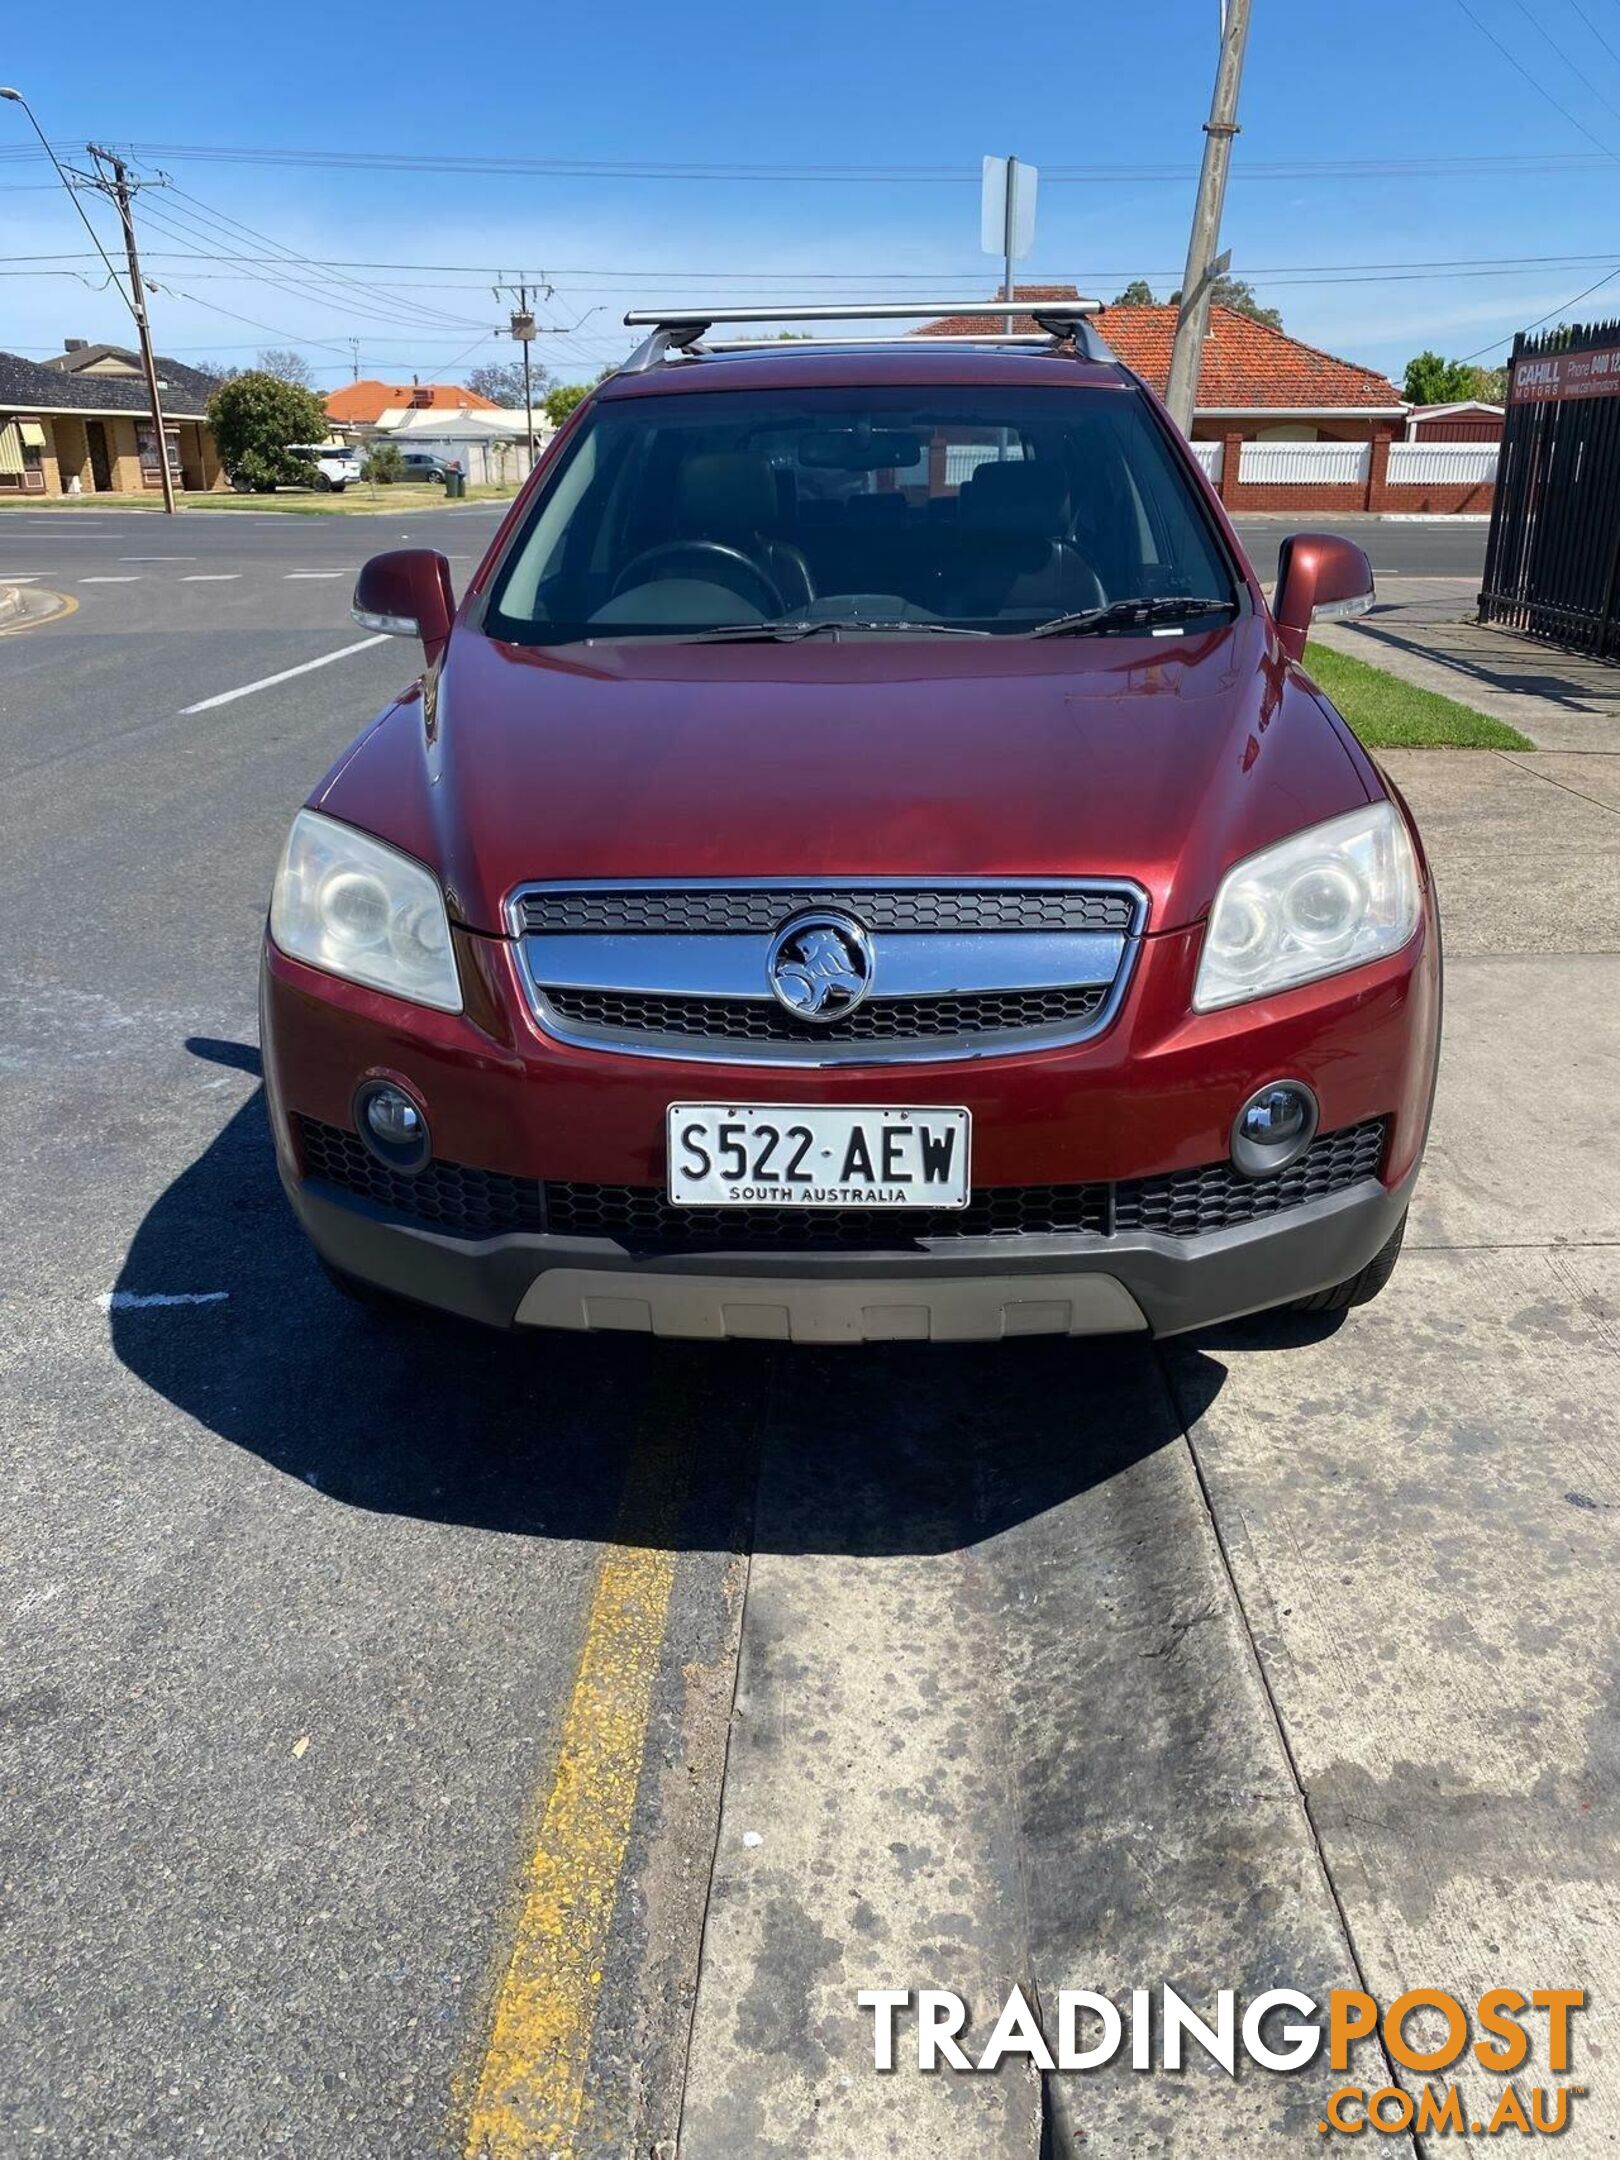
[(1007, 214)]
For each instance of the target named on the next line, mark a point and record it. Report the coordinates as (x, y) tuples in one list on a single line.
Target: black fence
[(1552, 566)]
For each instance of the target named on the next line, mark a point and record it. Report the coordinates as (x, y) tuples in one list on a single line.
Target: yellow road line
[(69, 606), (530, 2097)]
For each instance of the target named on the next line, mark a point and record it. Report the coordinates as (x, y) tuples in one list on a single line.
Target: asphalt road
[(366, 1684)]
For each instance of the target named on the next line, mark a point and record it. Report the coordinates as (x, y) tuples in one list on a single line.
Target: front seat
[(731, 496), (1016, 552)]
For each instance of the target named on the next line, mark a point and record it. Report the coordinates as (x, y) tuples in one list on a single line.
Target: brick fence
[(1374, 490)]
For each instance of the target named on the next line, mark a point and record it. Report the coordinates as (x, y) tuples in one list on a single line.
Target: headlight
[(1328, 899), (346, 903)]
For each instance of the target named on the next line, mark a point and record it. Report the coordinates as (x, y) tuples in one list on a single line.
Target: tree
[(1138, 293), (560, 401), (290, 366), (501, 381), (1430, 380), (1239, 294), (211, 374), (254, 418)]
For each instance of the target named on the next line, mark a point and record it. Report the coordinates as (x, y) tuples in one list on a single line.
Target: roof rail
[(681, 330)]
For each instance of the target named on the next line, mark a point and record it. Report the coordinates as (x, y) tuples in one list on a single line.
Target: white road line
[(314, 573), (266, 682), (20, 577), (138, 1301), (109, 581), (157, 558), (210, 577)]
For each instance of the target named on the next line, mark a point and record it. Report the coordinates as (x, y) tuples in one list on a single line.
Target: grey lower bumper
[(975, 1290)]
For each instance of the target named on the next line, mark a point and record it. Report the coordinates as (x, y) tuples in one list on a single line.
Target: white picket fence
[(1441, 464), (1304, 464), (1212, 456)]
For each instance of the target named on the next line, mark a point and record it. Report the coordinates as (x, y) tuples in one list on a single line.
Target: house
[(1279, 424), (491, 446), (370, 404), (85, 416)]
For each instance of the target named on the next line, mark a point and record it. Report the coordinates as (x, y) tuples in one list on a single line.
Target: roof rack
[(681, 331)]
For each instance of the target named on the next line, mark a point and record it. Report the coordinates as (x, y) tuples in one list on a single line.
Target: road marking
[(268, 682), (157, 558), (530, 2095), (314, 573), (109, 581), (210, 577), (138, 1301), (20, 577)]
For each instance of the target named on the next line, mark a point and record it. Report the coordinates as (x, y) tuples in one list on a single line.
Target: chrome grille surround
[(964, 968)]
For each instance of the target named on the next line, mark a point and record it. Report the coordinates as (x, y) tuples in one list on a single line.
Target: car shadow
[(918, 1449)]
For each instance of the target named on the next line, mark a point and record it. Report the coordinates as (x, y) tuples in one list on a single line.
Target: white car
[(335, 464)]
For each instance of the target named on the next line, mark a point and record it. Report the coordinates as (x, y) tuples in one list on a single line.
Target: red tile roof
[(1246, 363), (361, 403)]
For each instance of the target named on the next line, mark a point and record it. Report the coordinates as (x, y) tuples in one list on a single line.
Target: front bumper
[(980, 1291)]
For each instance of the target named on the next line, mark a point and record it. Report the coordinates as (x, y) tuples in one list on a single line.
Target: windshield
[(974, 507)]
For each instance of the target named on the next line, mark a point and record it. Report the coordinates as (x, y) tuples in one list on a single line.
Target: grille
[(641, 1215), (1216, 1198), (880, 907), (486, 1203), (469, 1203), (757, 1020)]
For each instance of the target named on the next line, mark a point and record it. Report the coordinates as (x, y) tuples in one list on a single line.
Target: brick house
[(86, 415), (1279, 425)]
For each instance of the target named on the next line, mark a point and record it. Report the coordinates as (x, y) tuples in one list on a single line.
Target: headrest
[(1014, 498), (725, 491)]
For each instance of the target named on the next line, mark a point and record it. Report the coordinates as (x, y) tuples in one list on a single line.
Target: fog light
[(1274, 1128), (392, 1126)]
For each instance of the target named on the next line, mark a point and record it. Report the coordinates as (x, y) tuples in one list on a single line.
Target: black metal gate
[(1553, 563)]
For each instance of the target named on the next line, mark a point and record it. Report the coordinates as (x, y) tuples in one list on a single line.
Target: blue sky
[(1114, 94)]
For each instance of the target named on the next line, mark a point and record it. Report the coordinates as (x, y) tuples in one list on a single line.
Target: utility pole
[(354, 349), (522, 327), (113, 179), (1192, 325)]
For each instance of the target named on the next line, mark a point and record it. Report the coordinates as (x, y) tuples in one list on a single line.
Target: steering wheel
[(732, 559)]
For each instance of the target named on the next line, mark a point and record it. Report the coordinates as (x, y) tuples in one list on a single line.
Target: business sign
[(1566, 375)]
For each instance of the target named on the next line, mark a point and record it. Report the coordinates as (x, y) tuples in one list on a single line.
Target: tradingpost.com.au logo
[(1498, 2037)]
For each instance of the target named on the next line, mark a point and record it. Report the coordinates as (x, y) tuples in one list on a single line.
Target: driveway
[(414, 1742)]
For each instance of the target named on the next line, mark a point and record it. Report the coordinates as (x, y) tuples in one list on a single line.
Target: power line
[(1292, 170), (1596, 32), (1562, 309), (1578, 72), (1535, 83)]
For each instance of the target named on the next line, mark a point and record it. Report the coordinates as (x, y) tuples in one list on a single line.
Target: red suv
[(862, 862)]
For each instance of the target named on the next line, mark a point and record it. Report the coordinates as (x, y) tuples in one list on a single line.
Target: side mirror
[(1318, 574), (406, 594)]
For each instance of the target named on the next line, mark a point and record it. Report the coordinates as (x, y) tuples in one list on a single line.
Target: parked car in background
[(864, 861), (333, 465), (424, 465)]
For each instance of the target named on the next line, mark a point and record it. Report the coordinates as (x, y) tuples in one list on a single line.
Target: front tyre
[(1359, 1289)]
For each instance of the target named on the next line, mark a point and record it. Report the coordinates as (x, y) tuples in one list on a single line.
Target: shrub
[(254, 417), (384, 465)]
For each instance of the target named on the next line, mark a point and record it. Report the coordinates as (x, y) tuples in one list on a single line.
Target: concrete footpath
[(1423, 630), (1289, 1653)]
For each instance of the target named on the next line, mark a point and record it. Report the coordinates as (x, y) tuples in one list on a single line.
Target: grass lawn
[(1389, 714), (296, 502)]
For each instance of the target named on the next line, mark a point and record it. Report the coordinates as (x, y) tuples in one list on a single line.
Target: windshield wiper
[(788, 633), (1126, 614)]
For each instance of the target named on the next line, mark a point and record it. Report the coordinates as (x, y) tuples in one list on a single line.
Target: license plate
[(782, 1155)]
